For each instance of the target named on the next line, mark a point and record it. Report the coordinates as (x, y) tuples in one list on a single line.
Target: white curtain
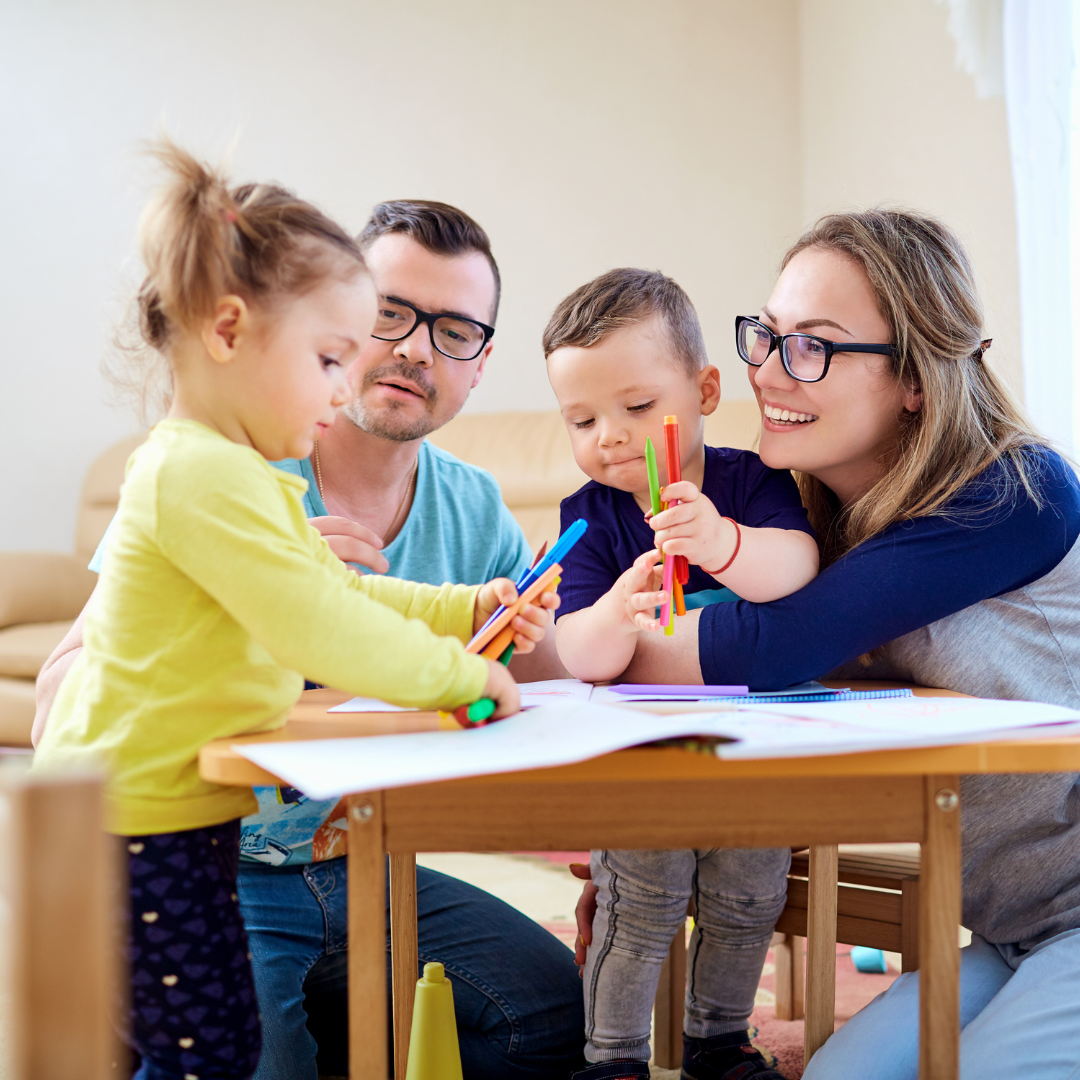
[(1039, 91)]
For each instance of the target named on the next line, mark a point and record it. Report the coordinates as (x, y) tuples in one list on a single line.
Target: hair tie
[(983, 346)]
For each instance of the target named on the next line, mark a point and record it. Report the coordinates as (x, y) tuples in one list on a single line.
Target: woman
[(947, 529)]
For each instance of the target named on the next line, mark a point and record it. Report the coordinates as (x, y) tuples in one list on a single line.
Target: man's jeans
[(641, 905), (517, 995)]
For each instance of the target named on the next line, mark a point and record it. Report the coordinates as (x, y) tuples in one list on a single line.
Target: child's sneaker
[(724, 1057), (614, 1070)]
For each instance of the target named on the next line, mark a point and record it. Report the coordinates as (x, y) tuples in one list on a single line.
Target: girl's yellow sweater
[(216, 600)]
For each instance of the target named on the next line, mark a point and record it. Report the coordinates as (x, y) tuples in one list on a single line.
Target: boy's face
[(615, 394)]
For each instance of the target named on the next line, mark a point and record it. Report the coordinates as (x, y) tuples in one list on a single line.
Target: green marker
[(654, 477), (480, 710)]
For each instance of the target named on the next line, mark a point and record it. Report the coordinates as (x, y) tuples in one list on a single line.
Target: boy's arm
[(770, 563), (596, 643)]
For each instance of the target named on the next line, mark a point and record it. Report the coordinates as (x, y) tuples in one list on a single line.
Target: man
[(387, 501)]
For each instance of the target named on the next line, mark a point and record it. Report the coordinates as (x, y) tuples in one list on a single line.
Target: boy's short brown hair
[(621, 298)]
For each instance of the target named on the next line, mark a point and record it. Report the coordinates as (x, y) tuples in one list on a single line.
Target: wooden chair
[(877, 905), (56, 927)]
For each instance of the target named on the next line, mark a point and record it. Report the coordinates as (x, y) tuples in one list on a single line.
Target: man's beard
[(387, 422)]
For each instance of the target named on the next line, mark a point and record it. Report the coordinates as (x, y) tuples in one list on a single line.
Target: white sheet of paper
[(369, 704), (550, 691), (577, 730)]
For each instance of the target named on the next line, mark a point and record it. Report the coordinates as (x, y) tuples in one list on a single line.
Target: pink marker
[(667, 621)]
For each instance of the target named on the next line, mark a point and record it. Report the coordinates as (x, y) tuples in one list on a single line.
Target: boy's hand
[(502, 689), (529, 625), (694, 528), (635, 593)]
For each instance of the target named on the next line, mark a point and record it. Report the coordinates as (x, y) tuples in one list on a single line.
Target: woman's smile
[(782, 417)]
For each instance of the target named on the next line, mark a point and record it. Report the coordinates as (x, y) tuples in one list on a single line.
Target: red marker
[(674, 475)]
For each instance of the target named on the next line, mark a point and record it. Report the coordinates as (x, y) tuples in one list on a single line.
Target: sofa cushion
[(37, 586), (23, 649), (16, 711)]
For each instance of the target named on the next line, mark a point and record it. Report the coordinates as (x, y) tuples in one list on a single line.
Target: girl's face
[(840, 429), (295, 365)]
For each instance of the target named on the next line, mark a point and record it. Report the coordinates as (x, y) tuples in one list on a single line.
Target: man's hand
[(352, 542), (529, 625), (586, 909), (694, 528)]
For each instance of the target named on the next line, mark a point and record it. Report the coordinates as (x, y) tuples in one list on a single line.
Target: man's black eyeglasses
[(452, 335), (805, 357)]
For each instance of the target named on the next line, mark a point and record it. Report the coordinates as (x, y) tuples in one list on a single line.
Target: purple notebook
[(672, 690)]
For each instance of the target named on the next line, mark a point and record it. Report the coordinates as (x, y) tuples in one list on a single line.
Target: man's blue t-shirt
[(736, 481), (458, 530)]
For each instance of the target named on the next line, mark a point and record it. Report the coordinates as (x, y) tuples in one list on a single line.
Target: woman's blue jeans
[(517, 995)]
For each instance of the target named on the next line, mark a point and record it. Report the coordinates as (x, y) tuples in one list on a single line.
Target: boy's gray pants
[(641, 905)]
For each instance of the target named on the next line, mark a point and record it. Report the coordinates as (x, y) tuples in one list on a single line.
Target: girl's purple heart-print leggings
[(192, 1013)]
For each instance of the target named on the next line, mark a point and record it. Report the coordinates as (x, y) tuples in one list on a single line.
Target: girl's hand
[(352, 542), (502, 689), (694, 528), (530, 624), (584, 912), (635, 593)]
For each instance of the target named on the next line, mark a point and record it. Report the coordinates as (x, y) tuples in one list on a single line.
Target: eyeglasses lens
[(804, 357), (393, 321), (458, 338), (753, 342)]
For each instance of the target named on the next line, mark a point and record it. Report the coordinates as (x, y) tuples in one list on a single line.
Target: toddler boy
[(623, 351)]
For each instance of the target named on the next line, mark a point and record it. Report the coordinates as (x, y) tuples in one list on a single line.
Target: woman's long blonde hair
[(925, 290)]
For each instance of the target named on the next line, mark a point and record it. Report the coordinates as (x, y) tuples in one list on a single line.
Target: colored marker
[(667, 612), (674, 475), (654, 478)]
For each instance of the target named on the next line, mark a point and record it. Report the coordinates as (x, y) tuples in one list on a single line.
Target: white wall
[(886, 118), (696, 136), (581, 135)]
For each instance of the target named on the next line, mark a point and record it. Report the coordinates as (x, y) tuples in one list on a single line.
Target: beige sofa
[(41, 593)]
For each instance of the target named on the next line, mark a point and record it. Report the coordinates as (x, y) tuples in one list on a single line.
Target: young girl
[(216, 596)]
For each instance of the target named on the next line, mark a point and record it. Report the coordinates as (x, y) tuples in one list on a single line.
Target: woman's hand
[(529, 624), (694, 528), (585, 910), (352, 542), (502, 689)]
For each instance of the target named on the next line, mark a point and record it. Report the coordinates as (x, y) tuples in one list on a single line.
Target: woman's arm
[(53, 671), (909, 576)]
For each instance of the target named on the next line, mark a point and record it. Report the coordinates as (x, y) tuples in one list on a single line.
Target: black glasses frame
[(776, 342), (430, 318)]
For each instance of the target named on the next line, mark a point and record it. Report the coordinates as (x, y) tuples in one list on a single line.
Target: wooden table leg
[(939, 919), (790, 983), (669, 1006), (404, 953), (368, 1052), (820, 949)]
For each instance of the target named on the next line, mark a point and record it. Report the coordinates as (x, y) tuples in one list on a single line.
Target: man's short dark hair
[(624, 297), (437, 226)]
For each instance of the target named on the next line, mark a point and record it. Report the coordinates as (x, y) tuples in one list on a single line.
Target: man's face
[(402, 390)]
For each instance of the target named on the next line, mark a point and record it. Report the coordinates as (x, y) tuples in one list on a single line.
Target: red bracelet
[(738, 544)]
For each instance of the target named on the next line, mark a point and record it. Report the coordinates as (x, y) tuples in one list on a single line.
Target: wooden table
[(654, 798)]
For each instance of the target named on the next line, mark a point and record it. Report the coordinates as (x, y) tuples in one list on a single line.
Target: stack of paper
[(575, 730)]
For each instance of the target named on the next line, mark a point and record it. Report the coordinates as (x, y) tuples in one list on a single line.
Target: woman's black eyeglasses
[(805, 357), (455, 336)]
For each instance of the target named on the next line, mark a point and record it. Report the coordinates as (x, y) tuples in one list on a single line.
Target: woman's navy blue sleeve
[(910, 575)]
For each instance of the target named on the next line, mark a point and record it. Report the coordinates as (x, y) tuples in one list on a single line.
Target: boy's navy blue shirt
[(989, 540), (740, 487)]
